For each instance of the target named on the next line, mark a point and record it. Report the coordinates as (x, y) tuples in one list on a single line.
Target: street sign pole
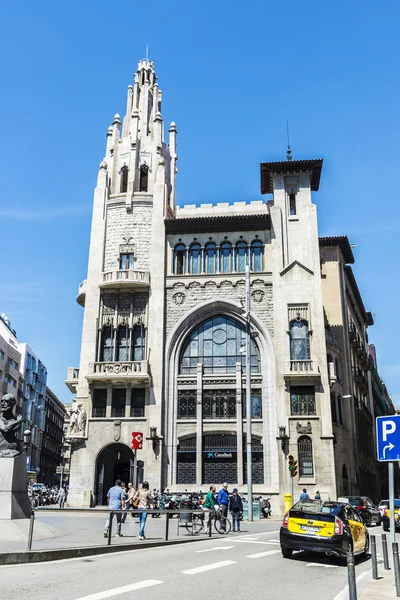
[(248, 401), (292, 488), (391, 503)]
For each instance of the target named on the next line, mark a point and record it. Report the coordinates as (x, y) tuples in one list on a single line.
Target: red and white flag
[(137, 440)]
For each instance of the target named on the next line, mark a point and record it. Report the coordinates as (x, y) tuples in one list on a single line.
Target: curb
[(37, 556)]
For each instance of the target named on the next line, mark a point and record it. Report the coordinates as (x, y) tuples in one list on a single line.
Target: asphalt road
[(242, 565)]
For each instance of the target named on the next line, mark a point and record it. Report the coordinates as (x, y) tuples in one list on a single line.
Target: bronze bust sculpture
[(10, 425)]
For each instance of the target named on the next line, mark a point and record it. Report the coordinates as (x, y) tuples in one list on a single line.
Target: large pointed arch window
[(226, 257), (195, 259), (122, 343), (257, 256), (218, 345), (106, 344), (144, 178), (241, 256), (299, 340), (139, 342), (124, 180), (179, 259), (210, 258)]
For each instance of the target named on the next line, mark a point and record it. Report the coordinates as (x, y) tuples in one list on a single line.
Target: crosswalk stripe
[(261, 554), (218, 565), (122, 590)]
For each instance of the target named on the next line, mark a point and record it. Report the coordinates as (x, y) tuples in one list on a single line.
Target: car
[(386, 515), (333, 528), (382, 505), (38, 487), (368, 509)]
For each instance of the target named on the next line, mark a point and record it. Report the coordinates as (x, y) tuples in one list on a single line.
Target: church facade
[(164, 325)]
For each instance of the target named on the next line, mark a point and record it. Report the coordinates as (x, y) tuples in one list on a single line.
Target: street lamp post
[(248, 400)]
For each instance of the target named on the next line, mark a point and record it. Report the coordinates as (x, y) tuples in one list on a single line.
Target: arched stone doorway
[(116, 461)]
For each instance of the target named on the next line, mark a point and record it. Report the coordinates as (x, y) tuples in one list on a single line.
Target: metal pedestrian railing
[(159, 512)]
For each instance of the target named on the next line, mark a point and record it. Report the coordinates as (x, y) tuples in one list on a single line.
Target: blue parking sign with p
[(388, 438)]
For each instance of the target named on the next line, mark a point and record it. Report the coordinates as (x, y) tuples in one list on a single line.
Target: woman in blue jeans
[(145, 502)]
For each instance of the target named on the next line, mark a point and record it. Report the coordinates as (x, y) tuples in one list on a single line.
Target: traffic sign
[(388, 438)]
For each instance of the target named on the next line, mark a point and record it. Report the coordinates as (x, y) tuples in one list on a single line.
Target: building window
[(339, 407), (186, 404), (124, 180), (99, 402), (122, 343), (241, 256), (217, 345), (256, 404), (126, 261), (194, 259), (226, 257), (334, 409), (139, 342), (302, 400), (210, 258), (292, 204), (2, 355), (137, 402), (218, 404), (305, 452), (179, 259), (144, 178), (337, 369), (106, 345), (257, 256), (299, 340), (118, 403)]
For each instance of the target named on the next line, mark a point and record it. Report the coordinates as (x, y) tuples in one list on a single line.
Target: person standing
[(144, 496), (130, 494), (223, 500), (116, 501), (236, 508), (304, 495), (125, 490), (209, 503), (61, 497), (317, 496)]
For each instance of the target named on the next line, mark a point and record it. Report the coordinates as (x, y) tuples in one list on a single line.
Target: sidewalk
[(80, 530), (381, 588)]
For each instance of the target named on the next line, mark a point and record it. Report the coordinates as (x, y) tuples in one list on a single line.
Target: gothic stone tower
[(119, 380)]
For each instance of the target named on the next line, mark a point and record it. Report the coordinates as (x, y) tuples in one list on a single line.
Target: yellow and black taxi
[(334, 528)]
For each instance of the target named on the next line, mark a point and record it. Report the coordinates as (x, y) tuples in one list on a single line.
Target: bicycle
[(198, 523)]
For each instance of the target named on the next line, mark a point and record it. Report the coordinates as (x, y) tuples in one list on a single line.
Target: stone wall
[(133, 225), (182, 298)]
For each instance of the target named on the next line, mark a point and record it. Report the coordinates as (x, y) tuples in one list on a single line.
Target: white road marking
[(344, 594), (218, 565), (261, 554), (321, 565), (217, 548), (122, 590), (242, 541)]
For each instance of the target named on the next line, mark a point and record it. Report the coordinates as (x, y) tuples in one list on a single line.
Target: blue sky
[(231, 74)]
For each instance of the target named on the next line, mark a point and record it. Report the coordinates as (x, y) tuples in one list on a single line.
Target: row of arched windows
[(143, 179), (124, 344), (211, 258)]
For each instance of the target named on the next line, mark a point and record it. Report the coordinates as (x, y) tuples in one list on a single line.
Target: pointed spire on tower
[(288, 151)]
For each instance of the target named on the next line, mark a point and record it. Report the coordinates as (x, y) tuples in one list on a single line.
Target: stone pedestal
[(14, 501)]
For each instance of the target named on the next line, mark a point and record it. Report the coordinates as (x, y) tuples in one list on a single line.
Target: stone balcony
[(125, 279), (81, 297), (124, 371), (72, 379), (301, 370)]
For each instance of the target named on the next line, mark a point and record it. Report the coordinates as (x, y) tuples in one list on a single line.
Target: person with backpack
[(208, 503), (236, 509)]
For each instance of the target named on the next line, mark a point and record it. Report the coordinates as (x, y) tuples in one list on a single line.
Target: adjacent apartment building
[(53, 438), (162, 352), (23, 375)]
